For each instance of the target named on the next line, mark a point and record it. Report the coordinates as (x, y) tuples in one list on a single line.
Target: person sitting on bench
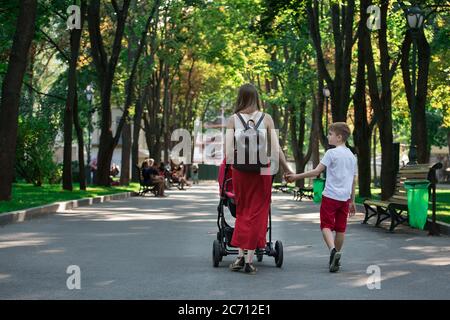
[(151, 176), (181, 177)]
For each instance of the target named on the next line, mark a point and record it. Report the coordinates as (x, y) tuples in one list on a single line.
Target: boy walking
[(338, 197)]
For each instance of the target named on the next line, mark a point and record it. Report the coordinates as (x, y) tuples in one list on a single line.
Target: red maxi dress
[(253, 192)]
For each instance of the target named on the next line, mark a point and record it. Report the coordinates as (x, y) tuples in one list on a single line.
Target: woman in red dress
[(252, 190)]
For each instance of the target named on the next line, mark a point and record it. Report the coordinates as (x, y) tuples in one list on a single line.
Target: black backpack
[(251, 152)]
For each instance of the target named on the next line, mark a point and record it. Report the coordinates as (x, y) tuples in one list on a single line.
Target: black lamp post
[(89, 96), (415, 20), (326, 94)]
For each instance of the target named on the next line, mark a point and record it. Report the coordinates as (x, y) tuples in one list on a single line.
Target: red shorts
[(333, 214)]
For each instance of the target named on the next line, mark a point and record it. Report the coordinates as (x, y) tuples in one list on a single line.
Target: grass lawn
[(28, 196)]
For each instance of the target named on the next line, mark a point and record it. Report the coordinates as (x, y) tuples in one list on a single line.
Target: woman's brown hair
[(247, 96)]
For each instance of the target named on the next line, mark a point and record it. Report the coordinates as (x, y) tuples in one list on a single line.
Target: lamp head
[(89, 92)]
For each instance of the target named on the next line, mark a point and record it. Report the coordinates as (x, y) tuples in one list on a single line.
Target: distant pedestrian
[(195, 173)]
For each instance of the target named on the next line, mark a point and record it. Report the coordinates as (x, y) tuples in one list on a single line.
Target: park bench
[(283, 187), (394, 207), (143, 187), (304, 192)]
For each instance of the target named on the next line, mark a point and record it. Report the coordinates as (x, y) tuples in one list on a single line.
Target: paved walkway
[(151, 248)]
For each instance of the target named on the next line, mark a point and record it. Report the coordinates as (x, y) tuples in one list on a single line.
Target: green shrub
[(34, 153)]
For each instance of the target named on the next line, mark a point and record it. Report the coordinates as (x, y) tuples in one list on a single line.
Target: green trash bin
[(417, 193), (318, 186)]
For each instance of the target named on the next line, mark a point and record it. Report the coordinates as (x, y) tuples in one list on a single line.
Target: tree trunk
[(80, 140), (298, 139), (29, 76), (105, 72), (316, 131), (75, 37), (342, 28), (142, 100), (133, 58), (423, 50), (375, 175), (137, 120), (424, 56), (166, 104), (448, 143), (382, 103), (126, 151), (361, 133), (11, 88), (68, 120), (135, 145)]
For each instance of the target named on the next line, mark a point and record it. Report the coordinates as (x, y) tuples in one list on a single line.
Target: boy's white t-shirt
[(341, 168)]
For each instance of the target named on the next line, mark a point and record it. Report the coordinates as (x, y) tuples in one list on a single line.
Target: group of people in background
[(113, 172), (162, 175)]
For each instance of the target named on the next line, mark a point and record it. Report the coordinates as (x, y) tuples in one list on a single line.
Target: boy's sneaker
[(335, 257), (250, 269), (238, 264)]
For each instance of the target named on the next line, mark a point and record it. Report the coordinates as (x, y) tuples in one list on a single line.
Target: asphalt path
[(160, 248)]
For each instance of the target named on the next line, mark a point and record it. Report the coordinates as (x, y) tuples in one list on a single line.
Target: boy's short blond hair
[(342, 129)]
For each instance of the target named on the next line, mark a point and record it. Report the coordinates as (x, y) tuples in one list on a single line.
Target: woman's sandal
[(250, 269), (238, 264)]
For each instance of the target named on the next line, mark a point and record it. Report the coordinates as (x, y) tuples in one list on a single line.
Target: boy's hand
[(352, 209)]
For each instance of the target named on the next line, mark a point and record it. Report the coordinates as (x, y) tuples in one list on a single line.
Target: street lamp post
[(326, 94), (415, 20), (89, 96)]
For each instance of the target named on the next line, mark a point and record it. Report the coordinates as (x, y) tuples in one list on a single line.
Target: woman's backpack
[(250, 153)]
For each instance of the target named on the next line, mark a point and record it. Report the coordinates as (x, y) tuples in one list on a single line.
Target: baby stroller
[(222, 245)]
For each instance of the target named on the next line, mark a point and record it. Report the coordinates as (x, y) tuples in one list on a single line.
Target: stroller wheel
[(278, 254), (216, 254), (222, 252)]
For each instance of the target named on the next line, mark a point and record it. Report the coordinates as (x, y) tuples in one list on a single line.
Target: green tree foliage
[(34, 154)]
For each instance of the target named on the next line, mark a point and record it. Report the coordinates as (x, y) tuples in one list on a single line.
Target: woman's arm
[(275, 145)]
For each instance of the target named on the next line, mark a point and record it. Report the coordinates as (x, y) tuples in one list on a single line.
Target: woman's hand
[(287, 171), (287, 174), (289, 177)]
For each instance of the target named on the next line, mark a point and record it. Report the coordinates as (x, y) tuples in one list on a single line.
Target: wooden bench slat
[(377, 203), (416, 167), (413, 176), (401, 171), (399, 198)]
